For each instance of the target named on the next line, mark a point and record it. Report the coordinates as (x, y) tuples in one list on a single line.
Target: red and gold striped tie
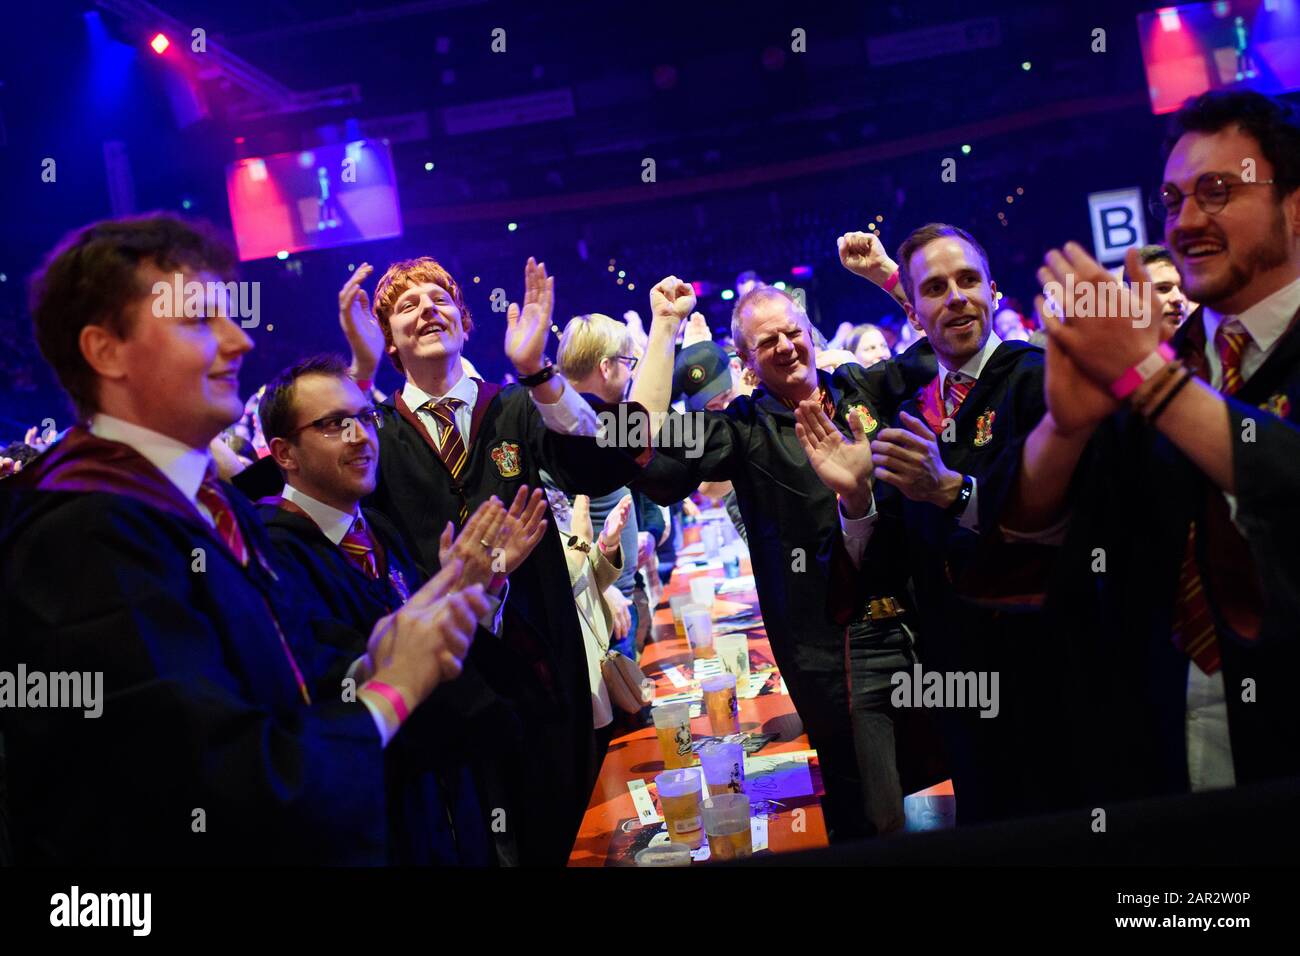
[(1230, 340), (1194, 632), (955, 393), (451, 447), (213, 498), (359, 547)]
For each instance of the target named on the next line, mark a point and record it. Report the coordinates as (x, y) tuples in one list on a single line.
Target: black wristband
[(1169, 397), (538, 378), (963, 497)]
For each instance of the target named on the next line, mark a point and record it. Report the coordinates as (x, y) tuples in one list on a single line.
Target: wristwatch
[(578, 544), (538, 378), (963, 497)]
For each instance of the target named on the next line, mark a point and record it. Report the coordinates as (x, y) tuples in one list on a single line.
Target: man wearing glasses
[(322, 433), (595, 356), (1188, 466)]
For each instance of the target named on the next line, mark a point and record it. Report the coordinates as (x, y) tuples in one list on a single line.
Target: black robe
[(202, 710), (538, 665), (791, 521), (435, 817), (980, 602), (1134, 497)]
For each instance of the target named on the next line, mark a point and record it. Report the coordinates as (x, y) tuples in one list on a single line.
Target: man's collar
[(185, 467), (466, 389), (1265, 321), (973, 366), (334, 523)]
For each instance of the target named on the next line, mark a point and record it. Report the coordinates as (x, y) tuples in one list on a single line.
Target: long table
[(610, 827)]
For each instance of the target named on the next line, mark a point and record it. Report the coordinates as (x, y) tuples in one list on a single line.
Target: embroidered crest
[(863, 415), (1278, 405), (695, 373), (506, 457), (984, 428)]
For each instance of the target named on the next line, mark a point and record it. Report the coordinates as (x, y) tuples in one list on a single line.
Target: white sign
[(1118, 223)]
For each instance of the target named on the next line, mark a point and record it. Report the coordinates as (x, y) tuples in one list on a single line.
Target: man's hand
[(478, 543), (10, 466), (611, 535), (1107, 326), (426, 641), (527, 329), (697, 330), (829, 360), (1075, 403), (671, 300), (524, 526), (618, 611), (863, 254), (845, 466), (908, 458), (36, 440), (365, 337)]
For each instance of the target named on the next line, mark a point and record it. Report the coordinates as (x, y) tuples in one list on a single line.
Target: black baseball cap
[(701, 373)]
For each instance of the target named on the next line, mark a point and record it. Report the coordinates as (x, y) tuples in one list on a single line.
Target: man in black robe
[(224, 735), (1181, 468), (944, 471), (449, 442)]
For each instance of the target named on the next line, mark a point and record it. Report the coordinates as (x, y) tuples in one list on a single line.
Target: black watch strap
[(963, 497), (538, 378)]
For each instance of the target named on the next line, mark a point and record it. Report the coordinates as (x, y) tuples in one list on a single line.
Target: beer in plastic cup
[(699, 630), (676, 604), (726, 822), (679, 798), (733, 650), (724, 767), (720, 704), (673, 727)]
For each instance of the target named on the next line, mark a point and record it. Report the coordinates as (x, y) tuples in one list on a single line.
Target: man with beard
[(1179, 566)]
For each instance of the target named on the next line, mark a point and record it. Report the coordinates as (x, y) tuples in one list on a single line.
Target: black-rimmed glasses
[(1212, 192), (332, 426)]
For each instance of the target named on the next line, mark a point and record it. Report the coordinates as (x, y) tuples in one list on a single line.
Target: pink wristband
[(1132, 380), (892, 281), (392, 695)]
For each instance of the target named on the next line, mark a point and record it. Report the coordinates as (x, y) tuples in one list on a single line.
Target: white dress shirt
[(185, 467), (569, 415), (1209, 749)]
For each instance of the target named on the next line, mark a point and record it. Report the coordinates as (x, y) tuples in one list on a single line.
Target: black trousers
[(876, 650)]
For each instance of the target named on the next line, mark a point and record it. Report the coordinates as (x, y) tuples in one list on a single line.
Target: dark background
[(764, 156)]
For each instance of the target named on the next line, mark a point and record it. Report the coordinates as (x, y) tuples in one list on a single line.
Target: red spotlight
[(160, 44)]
